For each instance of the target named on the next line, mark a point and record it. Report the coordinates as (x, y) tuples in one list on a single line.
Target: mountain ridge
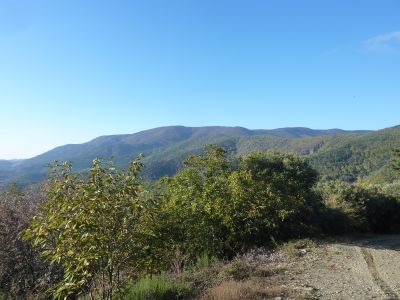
[(283, 132), (165, 148)]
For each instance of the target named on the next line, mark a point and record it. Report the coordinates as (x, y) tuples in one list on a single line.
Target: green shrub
[(158, 287), (271, 196), (191, 219), (205, 261), (333, 221), (92, 226), (237, 270), (223, 206), (359, 208)]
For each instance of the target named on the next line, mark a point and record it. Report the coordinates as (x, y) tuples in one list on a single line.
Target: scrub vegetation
[(214, 230)]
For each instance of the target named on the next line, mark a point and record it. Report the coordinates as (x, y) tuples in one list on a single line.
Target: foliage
[(158, 287), (92, 227), (366, 207), (391, 189), (351, 157), (190, 283), (97, 231), (190, 222), (271, 197), (395, 162), (220, 206)]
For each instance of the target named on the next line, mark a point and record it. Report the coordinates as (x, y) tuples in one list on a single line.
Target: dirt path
[(366, 268), (376, 277)]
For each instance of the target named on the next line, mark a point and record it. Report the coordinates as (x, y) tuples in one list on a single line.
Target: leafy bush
[(92, 227), (221, 206), (365, 209), (271, 197), (190, 220)]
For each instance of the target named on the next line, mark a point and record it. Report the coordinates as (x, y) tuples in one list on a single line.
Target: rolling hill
[(335, 153)]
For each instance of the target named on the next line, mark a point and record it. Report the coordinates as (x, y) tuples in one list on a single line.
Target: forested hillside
[(335, 154), (358, 156)]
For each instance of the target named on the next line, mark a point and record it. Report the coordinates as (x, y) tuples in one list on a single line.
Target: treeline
[(89, 235)]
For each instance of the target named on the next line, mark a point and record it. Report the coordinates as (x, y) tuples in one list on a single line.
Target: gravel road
[(367, 268)]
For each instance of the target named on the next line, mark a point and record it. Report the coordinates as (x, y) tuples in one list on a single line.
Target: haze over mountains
[(335, 153)]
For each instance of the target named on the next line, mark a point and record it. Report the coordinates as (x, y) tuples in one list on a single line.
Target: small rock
[(303, 251)]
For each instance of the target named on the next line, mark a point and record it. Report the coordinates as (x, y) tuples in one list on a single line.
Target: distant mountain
[(354, 156), (334, 153), (298, 132)]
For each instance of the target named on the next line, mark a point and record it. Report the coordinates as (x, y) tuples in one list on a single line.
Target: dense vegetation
[(102, 234), (335, 154)]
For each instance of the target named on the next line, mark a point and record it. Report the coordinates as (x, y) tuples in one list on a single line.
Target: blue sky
[(72, 70)]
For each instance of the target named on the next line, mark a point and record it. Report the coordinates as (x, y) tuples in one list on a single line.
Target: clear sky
[(71, 70)]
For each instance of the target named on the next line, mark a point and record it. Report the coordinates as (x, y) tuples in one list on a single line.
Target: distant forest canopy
[(335, 154)]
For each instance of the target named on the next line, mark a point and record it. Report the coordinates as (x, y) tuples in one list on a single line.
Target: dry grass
[(261, 274), (245, 290)]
